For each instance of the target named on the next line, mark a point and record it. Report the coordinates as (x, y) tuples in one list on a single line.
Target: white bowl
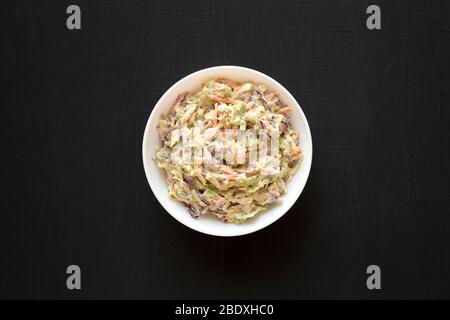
[(156, 176)]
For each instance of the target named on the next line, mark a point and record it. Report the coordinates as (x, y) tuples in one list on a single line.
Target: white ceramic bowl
[(156, 176)]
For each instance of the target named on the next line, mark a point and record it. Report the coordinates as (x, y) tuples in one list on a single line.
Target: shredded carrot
[(284, 110), (222, 100), (295, 150), (229, 82)]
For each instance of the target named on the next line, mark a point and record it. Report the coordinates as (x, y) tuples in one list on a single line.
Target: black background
[(74, 105)]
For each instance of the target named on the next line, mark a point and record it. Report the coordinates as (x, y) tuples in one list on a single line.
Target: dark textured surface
[(73, 109)]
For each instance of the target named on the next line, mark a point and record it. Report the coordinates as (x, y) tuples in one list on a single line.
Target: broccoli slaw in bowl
[(227, 144)]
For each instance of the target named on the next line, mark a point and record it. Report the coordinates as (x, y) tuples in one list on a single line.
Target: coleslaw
[(228, 150)]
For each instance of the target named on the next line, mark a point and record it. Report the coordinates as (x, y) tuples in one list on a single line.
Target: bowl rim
[(162, 201)]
